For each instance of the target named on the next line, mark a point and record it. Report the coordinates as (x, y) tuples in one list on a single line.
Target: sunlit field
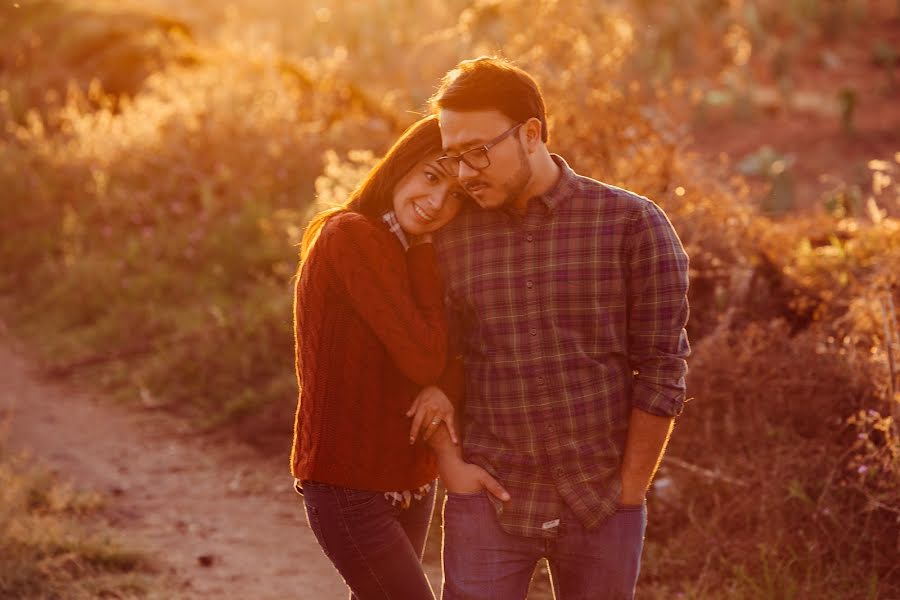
[(159, 160)]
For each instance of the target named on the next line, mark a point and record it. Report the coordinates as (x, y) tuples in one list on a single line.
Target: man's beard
[(517, 183)]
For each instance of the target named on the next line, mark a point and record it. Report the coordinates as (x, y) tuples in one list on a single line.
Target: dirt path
[(185, 500)]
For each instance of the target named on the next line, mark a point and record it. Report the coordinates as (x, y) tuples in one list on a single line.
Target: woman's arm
[(376, 274)]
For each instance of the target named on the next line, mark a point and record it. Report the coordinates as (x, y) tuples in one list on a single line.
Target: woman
[(370, 334)]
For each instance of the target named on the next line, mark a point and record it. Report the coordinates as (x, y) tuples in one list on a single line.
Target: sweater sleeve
[(399, 295)]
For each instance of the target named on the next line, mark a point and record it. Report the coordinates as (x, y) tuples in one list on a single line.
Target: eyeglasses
[(476, 158)]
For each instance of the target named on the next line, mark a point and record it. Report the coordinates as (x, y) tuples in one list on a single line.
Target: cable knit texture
[(370, 332)]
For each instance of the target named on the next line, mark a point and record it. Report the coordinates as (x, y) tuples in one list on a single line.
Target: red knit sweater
[(370, 333)]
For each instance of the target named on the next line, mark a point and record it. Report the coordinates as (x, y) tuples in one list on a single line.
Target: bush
[(47, 550)]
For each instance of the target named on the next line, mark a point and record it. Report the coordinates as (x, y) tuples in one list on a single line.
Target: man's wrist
[(632, 494), (632, 499), (448, 456)]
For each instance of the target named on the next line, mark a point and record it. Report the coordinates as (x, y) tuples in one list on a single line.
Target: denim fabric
[(375, 546), (484, 562)]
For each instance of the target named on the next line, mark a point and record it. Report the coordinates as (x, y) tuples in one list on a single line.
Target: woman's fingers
[(433, 424), (422, 417), (414, 427), (414, 407), (428, 411), (447, 419), (451, 427)]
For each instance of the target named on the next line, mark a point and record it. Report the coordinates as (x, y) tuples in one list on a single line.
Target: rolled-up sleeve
[(657, 313)]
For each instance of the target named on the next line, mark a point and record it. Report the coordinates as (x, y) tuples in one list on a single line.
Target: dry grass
[(150, 226), (52, 546)]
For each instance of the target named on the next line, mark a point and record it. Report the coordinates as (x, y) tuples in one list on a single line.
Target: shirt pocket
[(590, 309)]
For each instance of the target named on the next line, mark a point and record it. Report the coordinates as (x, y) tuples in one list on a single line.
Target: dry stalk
[(891, 339), (683, 464)]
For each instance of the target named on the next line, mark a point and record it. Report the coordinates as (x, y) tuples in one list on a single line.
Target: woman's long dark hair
[(374, 196)]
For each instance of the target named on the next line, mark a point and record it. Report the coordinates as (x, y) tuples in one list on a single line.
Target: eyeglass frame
[(444, 161)]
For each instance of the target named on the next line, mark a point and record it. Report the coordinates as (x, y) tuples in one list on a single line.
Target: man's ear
[(532, 129)]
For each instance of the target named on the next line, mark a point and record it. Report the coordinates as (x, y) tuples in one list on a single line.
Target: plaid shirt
[(568, 316)]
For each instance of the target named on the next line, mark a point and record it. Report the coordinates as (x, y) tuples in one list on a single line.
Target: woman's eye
[(431, 177)]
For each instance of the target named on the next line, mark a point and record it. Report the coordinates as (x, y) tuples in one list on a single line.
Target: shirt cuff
[(658, 403)]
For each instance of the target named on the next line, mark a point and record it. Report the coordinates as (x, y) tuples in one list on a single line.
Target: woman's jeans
[(484, 562), (376, 547)]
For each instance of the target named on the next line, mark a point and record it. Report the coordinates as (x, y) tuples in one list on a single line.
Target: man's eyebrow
[(467, 144)]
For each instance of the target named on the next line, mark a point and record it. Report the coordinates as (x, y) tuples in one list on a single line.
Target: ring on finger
[(435, 421)]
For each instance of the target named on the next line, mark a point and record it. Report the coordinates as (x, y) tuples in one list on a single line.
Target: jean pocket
[(352, 499), (466, 495), (315, 525)]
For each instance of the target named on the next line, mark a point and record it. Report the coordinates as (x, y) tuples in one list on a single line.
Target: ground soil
[(220, 520), (806, 125)]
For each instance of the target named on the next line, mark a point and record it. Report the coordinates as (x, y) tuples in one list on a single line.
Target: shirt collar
[(559, 192), (390, 217), (563, 188)]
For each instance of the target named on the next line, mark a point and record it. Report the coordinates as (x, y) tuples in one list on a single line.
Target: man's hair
[(489, 82)]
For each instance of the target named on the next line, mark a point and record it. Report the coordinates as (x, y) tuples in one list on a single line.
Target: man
[(570, 297)]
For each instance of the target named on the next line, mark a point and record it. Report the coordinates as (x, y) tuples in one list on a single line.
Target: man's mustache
[(474, 183)]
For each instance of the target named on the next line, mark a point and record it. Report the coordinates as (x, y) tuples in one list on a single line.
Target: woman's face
[(427, 198)]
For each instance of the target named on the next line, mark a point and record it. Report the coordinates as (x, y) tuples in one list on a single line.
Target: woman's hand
[(431, 408)]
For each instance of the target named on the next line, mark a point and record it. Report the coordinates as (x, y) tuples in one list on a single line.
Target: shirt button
[(540, 381), (529, 237), (533, 332), (551, 428), (560, 472), (529, 284)]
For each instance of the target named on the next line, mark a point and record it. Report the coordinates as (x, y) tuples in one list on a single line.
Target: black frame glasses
[(476, 158)]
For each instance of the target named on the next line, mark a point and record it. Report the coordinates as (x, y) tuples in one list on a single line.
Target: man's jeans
[(483, 562), (376, 547)]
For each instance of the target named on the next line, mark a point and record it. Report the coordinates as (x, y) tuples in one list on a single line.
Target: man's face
[(503, 181)]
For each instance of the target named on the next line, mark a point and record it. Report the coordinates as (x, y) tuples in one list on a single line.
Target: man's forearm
[(647, 438), (443, 447), (458, 475)]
